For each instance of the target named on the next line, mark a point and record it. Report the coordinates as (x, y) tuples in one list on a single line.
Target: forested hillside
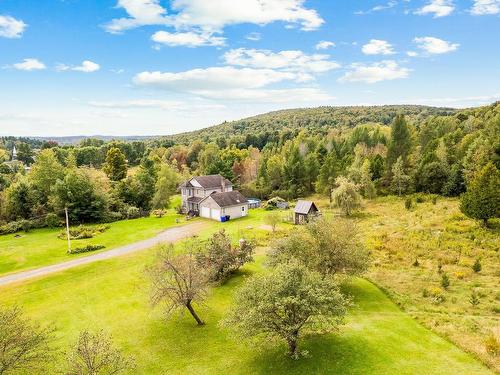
[(259, 129)]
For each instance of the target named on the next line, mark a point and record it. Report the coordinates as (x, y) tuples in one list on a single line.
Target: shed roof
[(208, 182), (305, 207), (229, 198)]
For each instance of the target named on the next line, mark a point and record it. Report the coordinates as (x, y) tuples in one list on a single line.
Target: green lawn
[(113, 295), (42, 247)]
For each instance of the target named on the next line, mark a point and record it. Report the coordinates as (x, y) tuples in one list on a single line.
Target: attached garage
[(224, 206)]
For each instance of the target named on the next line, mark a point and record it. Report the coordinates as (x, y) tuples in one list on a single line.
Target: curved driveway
[(169, 235)]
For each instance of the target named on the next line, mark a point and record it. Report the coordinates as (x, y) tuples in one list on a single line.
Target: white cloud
[(378, 47), (214, 78), (439, 8), (188, 39), (10, 27), (292, 61), (30, 64), (371, 73), (234, 84), (87, 66), (412, 54), (324, 44), (141, 13), (378, 8), (213, 15), (435, 46), (254, 36), (216, 14), (484, 7)]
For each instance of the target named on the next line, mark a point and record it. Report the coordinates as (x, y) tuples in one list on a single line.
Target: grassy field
[(437, 234), (41, 247), (113, 295)]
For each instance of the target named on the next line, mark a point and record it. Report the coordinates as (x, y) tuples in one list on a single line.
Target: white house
[(212, 197), (224, 206)]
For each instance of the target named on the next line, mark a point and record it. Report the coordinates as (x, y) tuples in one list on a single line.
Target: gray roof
[(305, 207), (208, 182), (229, 198), (194, 199)]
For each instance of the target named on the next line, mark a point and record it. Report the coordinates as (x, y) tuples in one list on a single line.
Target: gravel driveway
[(169, 235)]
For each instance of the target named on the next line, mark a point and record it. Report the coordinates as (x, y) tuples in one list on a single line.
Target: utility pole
[(67, 230)]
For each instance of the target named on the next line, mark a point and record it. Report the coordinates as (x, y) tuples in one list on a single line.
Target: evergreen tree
[(116, 165), (400, 142), (482, 199), (328, 173)]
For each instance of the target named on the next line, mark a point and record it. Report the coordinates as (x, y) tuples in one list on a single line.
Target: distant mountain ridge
[(75, 139), (319, 118)]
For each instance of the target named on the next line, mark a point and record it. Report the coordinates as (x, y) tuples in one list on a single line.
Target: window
[(243, 208)]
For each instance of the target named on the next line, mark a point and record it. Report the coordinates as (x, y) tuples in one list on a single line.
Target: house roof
[(208, 182), (305, 207), (229, 198)]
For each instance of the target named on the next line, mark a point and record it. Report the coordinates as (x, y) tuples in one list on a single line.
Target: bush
[(85, 249), (445, 281), (272, 204), (52, 221), (81, 232), (474, 298), (408, 203), (476, 267), (17, 226), (437, 296), (133, 213), (159, 213), (492, 345)]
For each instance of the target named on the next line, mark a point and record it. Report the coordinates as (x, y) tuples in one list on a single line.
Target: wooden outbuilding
[(305, 211)]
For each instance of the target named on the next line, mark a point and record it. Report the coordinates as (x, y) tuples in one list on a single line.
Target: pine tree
[(400, 142), (482, 199), (328, 172)]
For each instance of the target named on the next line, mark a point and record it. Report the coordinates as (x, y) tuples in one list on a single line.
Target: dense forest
[(293, 153)]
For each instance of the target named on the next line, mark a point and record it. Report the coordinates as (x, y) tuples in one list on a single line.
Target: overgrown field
[(413, 249)]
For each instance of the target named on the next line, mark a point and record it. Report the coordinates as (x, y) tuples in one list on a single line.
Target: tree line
[(433, 151)]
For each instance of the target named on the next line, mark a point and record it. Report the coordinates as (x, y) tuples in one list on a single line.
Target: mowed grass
[(41, 247), (113, 295)]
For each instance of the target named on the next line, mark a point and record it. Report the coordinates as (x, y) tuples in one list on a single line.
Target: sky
[(158, 67)]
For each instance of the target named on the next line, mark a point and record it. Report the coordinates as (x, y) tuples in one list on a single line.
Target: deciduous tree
[(116, 165), (286, 304)]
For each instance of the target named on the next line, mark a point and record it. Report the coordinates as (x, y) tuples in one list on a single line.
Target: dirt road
[(169, 235)]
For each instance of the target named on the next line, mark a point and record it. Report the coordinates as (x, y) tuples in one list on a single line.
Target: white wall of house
[(211, 210), (236, 211)]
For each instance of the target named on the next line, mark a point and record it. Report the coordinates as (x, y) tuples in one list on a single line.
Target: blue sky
[(133, 67)]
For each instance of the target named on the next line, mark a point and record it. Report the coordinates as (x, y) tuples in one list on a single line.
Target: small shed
[(304, 211)]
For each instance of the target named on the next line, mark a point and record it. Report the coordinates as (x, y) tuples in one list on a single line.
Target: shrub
[(445, 281), (272, 204), (85, 249), (434, 200), (437, 296), (52, 221), (408, 203), (133, 213), (476, 267), (492, 345), (419, 198), (159, 213), (81, 232), (474, 298), (416, 263)]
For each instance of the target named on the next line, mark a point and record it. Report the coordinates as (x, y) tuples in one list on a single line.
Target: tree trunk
[(292, 347), (193, 313)]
